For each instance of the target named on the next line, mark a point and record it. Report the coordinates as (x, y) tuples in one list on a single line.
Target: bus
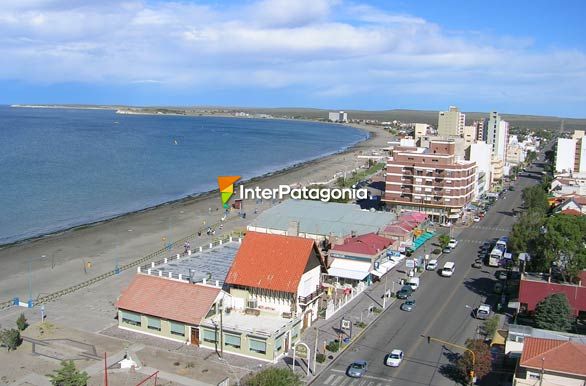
[(498, 252), (495, 257)]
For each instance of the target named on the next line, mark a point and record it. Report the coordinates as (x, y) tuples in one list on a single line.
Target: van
[(413, 283), (448, 269), (483, 312)]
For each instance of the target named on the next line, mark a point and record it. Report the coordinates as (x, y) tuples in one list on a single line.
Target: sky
[(523, 57)]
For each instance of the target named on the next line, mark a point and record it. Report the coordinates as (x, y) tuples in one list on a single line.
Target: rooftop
[(273, 262), (368, 244), (211, 264), (262, 325), (554, 355), (518, 329), (323, 218), (168, 298)]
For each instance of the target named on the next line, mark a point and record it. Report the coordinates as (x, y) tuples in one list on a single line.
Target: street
[(443, 311)]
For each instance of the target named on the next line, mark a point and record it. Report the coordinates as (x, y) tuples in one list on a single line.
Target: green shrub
[(21, 322), (320, 358), (10, 338), (377, 310), (360, 324), (436, 251), (333, 346)]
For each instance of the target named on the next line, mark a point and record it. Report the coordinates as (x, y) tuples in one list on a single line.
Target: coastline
[(196, 195), (62, 259)]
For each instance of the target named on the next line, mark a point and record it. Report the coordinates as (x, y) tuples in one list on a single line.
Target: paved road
[(441, 312)]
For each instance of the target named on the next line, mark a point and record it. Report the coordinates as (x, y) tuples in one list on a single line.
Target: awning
[(349, 269), (376, 273), (500, 337), (347, 273)]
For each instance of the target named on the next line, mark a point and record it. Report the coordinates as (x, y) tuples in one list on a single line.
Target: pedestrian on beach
[(199, 233)]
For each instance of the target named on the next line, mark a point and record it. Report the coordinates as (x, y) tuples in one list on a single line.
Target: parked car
[(408, 306), (476, 219), (405, 292), (432, 265), (357, 369), (447, 250), (453, 243), (477, 263), (482, 312), (395, 358)]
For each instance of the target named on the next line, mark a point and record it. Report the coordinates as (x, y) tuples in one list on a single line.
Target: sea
[(62, 168)]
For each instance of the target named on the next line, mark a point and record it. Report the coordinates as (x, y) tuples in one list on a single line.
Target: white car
[(453, 243), (476, 219), (432, 265), (395, 358)]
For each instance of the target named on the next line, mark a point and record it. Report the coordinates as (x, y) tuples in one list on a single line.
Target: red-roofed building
[(551, 362), (276, 273), (166, 308), (534, 289)]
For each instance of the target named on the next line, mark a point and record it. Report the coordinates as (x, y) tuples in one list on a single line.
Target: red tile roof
[(571, 212), (396, 229), (554, 355), (368, 244), (168, 298), (532, 292), (273, 262)]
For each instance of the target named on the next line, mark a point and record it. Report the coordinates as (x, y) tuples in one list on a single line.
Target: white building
[(338, 116), (481, 152), (571, 154), (497, 134), (421, 130), (451, 123)]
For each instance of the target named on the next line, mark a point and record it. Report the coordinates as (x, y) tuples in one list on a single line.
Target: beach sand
[(55, 262)]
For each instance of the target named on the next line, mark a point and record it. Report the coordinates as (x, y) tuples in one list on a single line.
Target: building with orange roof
[(550, 362), (274, 288), (167, 308)]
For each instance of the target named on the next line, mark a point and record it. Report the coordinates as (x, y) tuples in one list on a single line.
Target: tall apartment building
[(421, 130), (481, 153), (571, 154), (338, 116), (470, 135), (481, 127), (431, 180), (451, 123), (497, 134)]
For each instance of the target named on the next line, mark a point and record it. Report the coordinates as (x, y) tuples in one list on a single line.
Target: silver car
[(408, 306), (357, 369)]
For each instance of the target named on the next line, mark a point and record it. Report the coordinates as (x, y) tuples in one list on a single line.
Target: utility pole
[(385, 293), (315, 351), (221, 328)]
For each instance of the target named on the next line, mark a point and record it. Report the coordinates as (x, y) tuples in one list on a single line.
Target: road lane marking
[(364, 376), (327, 381)]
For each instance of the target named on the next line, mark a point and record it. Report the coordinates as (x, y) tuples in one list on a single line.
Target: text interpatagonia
[(304, 193)]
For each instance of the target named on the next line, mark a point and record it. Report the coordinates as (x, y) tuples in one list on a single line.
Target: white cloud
[(328, 48)]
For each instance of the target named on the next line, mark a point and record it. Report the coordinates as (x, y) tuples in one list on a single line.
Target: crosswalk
[(344, 380), (484, 228)]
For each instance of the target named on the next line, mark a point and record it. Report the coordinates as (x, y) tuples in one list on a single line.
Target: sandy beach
[(55, 262)]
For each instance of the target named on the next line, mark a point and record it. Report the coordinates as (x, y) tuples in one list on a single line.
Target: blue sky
[(526, 57)]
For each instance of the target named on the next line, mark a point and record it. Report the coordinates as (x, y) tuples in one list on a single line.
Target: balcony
[(305, 300)]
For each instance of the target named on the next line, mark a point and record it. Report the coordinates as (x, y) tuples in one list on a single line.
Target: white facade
[(566, 154), (469, 135), (338, 116), (497, 134), (480, 152), (451, 123), (421, 130)]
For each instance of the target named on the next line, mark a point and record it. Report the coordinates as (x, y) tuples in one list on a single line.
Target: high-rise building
[(480, 129), (431, 180), (571, 154), (497, 134), (481, 153), (421, 130), (469, 135), (451, 123), (338, 116)]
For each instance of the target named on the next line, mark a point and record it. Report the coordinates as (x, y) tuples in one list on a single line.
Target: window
[(279, 342), (177, 329), (209, 336), (131, 318), (154, 324), (258, 346), (232, 340), (533, 375)]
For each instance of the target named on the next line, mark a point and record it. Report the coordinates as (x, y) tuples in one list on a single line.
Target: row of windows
[(231, 340), (154, 324)]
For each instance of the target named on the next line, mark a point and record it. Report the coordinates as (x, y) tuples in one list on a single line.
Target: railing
[(309, 298)]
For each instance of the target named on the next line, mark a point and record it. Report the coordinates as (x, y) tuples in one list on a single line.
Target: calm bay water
[(61, 168)]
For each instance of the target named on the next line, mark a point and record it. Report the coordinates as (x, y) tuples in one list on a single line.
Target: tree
[(535, 198), (10, 338), (562, 245), (274, 377), (21, 322), (554, 313), (483, 359), (491, 325), (526, 233), (68, 375), (444, 240)]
